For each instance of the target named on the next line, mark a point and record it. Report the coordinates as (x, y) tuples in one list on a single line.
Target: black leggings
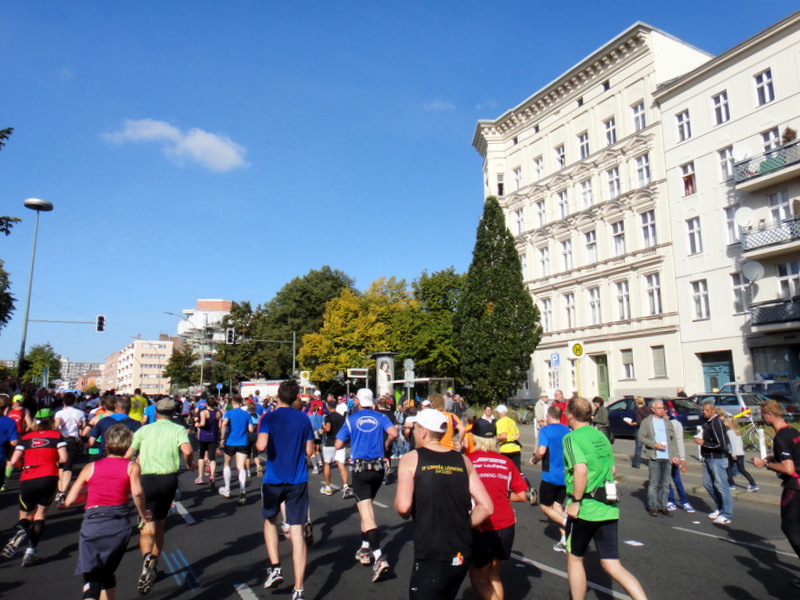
[(95, 581), (790, 518), (739, 462)]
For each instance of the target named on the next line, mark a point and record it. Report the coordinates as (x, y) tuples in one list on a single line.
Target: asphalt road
[(215, 549)]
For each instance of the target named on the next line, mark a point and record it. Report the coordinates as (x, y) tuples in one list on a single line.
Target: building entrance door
[(717, 369), (601, 360)]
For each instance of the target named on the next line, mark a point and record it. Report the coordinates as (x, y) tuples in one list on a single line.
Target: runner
[(69, 422), (207, 424), (365, 430), (8, 437), (333, 423), (233, 440), (38, 454)]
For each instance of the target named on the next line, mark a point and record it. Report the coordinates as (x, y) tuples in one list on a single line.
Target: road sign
[(408, 364), (357, 373), (575, 349), (219, 386), (555, 359), (304, 377)]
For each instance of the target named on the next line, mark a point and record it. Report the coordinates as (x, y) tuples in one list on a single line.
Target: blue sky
[(219, 149)]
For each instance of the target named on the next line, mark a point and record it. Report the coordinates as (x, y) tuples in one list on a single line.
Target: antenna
[(753, 270), (744, 216)]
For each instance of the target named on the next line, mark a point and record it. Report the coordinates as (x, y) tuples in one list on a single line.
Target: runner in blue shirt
[(233, 439)]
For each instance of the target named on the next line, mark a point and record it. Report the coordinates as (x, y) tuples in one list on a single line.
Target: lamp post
[(39, 206)]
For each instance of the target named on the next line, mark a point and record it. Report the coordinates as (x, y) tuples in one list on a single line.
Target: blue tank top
[(210, 431)]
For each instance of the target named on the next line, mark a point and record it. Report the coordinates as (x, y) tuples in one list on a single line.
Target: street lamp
[(39, 206)]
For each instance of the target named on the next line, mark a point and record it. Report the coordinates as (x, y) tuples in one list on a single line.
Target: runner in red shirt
[(38, 454), (493, 539)]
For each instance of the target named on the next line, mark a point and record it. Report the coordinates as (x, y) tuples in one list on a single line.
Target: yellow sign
[(576, 349)]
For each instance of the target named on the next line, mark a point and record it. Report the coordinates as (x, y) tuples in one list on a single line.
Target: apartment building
[(733, 175), (141, 365), (579, 170)]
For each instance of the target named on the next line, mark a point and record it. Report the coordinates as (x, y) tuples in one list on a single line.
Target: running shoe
[(752, 488), (60, 499), (672, 506), (561, 546), (285, 530), (363, 556), (713, 515), (379, 569), (198, 481), (533, 496), (308, 533), (298, 595), (274, 577), (148, 576), (242, 498), (795, 583), (347, 492), (20, 538), (223, 491), (30, 558), (688, 507), (720, 520), (326, 490)]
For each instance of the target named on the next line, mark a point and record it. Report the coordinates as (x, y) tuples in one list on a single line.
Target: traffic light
[(100, 324), (230, 336)]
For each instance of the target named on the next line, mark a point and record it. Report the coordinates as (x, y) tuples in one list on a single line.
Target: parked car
[(785, 391), (733, 403), (689, 414)]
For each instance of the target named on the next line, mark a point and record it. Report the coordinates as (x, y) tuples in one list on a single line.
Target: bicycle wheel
[(750, 439), (515, 416)]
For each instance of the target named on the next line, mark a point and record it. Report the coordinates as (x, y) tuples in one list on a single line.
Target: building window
[(618, 237), (659, 361), (639, 122), (643, 170), (700, 299), (541, 213), (771, 140), (734, 231), (586, 193), (606, 85), (623, 301), (613, 182), (517, 178), (583, 144), (523, 262), (695, 237), (684, 126), (580, 101), (553, 381), (591, 247), (594, 305), (627, 364), (687, 174), (536, 128), (779, 206), (500, 187), (566, 254), (649, 229), (611, 131), (722, 113), (544, 261), (789, 279), (563, 203), (538, 167), (519, 215), (653, 285), (726, 163), (742, 293), (569, 310), (547, 315), (561, 156), (765, 92)]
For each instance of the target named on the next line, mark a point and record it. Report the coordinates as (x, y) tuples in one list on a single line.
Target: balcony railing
[(775, 311), (769, 235), (766, 163)]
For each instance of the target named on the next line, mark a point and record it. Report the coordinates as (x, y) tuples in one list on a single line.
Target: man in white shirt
[(69, 421)]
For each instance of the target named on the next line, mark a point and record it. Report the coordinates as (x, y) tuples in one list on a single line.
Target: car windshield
[(684, 404)]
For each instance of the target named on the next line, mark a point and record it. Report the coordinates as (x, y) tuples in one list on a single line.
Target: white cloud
[(213, 151), (65, 75), (485, 105), (438, 105)]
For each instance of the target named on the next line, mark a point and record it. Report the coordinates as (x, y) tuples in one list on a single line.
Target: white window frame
[(590, 238), (788, 279), (612, 176), (659, 362), (726, 163), (702, 307), (643, 170), (623, 300), (649, 237), (722, 111), (771, 140), (519, 215), (626, 360), (610, 125), (618, 237), (523, 262), (563, 203), (583, 145), (732, 227), (501, 184), (569, 310), (541, 213), (779, 208), (553, 379), (639, 119), (684, 125), (688, 179), (653, 288), (595, 311), (566, 254), (544, 262), (561, 156), (517, 178), (694, 236), (538, 167), (765, 90), (586, 193), (742, 293), (547, 315)]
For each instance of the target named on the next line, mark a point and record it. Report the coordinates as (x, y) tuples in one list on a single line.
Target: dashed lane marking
[(184, 513), (736, 542), (563, 575), (244, 591)]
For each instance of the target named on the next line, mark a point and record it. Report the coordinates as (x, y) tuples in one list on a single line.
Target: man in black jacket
[(713, 448)]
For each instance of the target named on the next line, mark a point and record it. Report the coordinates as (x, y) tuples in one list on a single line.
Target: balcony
[(771, 239), (775, 311), (769, 168)]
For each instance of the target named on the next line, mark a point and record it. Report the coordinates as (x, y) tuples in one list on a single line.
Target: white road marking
[(737, 543), (244, 591), (563, 575), (184, 513), (381, 504), (633, 543)]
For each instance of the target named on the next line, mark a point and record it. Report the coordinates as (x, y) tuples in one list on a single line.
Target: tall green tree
[(496, 326), (6, 223), (38, 357), (181, 368)]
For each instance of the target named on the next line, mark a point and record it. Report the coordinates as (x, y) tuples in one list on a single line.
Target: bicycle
[(524, 416), (749, 433)]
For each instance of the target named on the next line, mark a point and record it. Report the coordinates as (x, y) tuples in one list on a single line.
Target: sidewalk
[(769, 493)]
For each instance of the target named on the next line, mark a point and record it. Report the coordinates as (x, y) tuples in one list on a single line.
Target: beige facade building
[(141, 365), (579, 171), (733, 173)]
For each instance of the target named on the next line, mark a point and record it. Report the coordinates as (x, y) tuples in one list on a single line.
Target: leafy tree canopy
[(496, 326), (181, 368), (37, 358)]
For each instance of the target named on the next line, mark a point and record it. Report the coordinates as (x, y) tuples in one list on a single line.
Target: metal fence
[(775, 311), (773, 233), (768, 162)]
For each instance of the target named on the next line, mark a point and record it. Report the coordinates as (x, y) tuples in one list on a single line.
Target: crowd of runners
[(457, 473)]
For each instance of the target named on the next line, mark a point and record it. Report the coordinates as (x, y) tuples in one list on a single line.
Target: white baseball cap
[(502, 408), (365, 397), (432, 420)]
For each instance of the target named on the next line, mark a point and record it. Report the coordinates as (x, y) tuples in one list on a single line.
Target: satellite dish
[(753, 270), (744, 216), (740, 152)]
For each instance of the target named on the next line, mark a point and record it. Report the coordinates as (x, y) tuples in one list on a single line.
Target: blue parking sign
[(555, 359)]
